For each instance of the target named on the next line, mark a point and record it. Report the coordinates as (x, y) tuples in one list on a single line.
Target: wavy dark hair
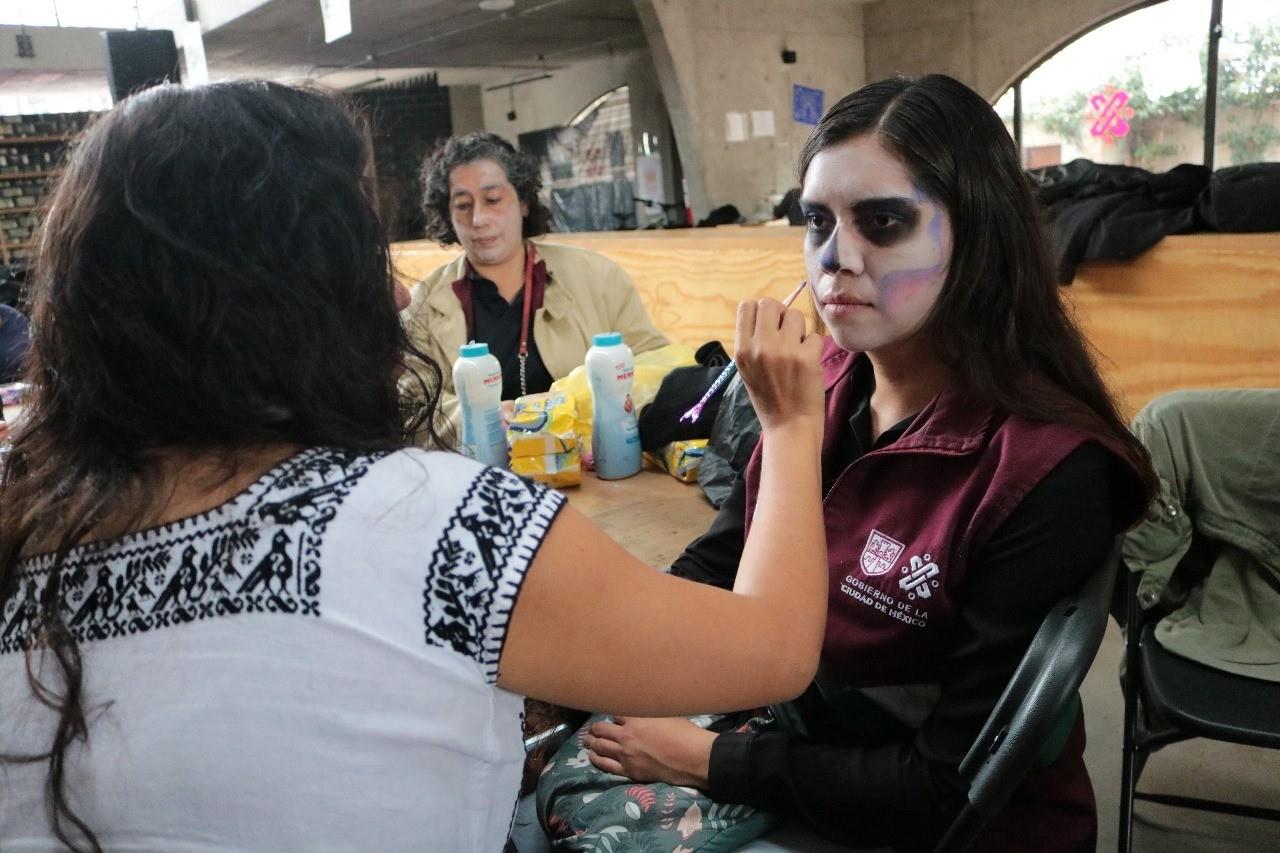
[(523, 172), (999, 322), (211, 275)]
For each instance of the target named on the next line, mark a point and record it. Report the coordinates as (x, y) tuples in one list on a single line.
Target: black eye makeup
[(881, 220), (886, 220), (816, 217)]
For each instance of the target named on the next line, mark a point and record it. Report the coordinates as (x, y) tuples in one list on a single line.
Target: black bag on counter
[(680, 390), (734, 436), (1243, 199)]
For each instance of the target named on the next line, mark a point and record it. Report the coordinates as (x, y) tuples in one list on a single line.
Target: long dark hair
[(522, 171), (999, 322), (211, 275)]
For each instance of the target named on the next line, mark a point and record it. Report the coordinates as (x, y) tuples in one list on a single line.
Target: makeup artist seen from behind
[(975, 470), (537, 305)]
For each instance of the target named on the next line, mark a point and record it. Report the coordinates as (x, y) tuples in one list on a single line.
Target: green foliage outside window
[(1248, 103)]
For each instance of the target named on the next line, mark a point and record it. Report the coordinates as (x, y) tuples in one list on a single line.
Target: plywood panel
[(1197, 311), (692, 291), (414, 260), (691, 280)]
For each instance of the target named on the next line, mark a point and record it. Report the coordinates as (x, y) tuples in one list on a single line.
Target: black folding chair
[(1168, 698), (1032, 705)]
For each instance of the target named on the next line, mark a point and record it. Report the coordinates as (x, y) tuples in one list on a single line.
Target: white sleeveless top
[(309, 666)]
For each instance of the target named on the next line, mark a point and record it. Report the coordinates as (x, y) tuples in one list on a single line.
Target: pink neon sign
[(1111, 113)]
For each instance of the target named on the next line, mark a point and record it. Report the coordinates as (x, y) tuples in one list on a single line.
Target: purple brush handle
[(731, 368), (693, 414)]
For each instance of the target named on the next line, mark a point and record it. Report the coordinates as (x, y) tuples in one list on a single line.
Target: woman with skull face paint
[(975, 470)]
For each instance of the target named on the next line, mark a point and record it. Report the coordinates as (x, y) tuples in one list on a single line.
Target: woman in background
[(537, 305)]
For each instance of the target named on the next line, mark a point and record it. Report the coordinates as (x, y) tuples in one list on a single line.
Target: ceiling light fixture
[(497, 5)]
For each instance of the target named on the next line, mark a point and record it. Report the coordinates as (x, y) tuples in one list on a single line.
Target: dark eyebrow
[(904, 207), (904, 210), (484, 189)]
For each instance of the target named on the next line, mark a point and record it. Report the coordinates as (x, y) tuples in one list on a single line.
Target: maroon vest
[(903, 523)]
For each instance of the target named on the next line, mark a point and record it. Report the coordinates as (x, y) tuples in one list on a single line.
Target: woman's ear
[(402, 295)]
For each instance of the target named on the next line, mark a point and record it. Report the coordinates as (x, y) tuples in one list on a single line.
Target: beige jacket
[(586, 294)]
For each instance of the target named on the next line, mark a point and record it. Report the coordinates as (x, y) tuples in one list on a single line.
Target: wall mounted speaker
[(138, 59)]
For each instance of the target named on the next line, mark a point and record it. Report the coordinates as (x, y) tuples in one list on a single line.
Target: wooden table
[(652, 515)]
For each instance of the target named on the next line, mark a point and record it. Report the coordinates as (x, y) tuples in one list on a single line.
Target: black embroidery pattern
[(479, 562), (259, 553)]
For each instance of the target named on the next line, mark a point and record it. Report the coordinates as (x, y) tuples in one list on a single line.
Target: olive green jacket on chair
[(1218, 457), (586, 294)]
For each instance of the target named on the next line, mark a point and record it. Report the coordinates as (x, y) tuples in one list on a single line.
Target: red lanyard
[(523, 355), (529, 260), (462, 289)]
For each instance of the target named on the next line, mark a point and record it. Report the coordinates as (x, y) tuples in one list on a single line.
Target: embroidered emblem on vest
[(880, 553), (919, 576)]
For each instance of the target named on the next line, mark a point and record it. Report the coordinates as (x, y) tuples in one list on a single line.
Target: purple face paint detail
[(830, 259), (935, 225), (896, 279), (903, 282), (935, 228)]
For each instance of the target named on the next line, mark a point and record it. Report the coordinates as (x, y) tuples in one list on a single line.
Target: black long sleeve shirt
[(498, 324)]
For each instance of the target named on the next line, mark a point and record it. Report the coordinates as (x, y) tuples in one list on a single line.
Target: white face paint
[(486, 212), (877, 247)]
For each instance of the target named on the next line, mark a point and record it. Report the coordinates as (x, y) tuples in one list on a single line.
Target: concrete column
[(667, 41), (715, 57), (650, 120)]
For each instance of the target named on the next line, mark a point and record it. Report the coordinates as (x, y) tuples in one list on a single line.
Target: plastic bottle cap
[(473, 350), (607, 339)]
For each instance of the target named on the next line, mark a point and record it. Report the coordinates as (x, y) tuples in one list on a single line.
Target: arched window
[(1133, 90)]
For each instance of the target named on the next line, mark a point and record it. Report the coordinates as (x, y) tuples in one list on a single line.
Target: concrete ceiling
[(49, 82), (440, 34)]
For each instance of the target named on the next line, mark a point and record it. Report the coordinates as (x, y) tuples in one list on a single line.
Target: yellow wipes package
[(558, 470), (542, 441), (537, 444), (542, 424), (681, 459)]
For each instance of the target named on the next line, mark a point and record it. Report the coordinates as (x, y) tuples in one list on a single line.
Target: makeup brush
[(731, 368)]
